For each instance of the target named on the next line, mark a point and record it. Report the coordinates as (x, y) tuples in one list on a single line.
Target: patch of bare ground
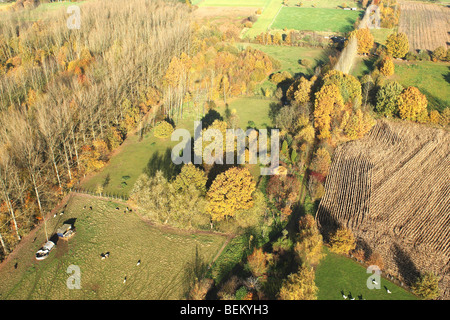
[(225, 13), (391, 188)]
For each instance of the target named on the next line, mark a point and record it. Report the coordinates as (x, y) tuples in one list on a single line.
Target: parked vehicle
[(43, 252)]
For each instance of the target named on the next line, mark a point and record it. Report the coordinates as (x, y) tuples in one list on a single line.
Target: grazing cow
[(138, 263)]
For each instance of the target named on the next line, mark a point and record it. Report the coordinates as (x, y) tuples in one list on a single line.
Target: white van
[(43, 252)]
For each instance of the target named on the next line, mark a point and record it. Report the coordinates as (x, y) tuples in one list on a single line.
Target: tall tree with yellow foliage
[(300, 286), (411, 103), (231, 191), (327, 99)]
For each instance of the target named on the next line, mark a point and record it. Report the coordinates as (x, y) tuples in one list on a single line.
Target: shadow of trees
[(406, 267), (162, 162), (194, 271)]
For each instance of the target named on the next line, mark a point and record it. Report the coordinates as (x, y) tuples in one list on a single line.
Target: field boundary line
[(273, 20)]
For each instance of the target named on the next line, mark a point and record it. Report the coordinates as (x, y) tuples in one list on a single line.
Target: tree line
[(69, 97)]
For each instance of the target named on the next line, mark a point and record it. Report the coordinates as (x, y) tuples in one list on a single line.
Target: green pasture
[(168, 258)]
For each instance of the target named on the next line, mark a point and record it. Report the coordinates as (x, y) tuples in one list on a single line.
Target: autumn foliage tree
[(258, 262), (321, 161), (412, 103), (427, 286), (397, 45), (230, 192), (328, 98), (300, 285), (342, 241), (190, 175), (387, 67), (309, 247), (365, 40)]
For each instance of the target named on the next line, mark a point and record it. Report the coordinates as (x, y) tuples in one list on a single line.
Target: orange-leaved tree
[(230, 191), (397, 45), (342, 241), (411, 103), (327, 98), (365, 40), (258, 262), (387, 67)]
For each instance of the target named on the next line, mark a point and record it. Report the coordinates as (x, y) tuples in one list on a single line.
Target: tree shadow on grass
[(194, 270), (162, 162), (210, 117)]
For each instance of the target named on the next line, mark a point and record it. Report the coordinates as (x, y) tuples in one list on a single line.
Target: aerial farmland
[(224, 151)]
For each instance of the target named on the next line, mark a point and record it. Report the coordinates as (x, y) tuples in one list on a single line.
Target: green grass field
[(120, 174), (337, 273), (333, 4), (290, 57), (167, 257), (251, 109), (316, 19), (265, 19), (380, 35), (432, 79)]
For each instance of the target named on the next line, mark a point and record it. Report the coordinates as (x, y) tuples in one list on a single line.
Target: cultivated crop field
[(167, 257), (316, 19), (391, 189), (426, 25)]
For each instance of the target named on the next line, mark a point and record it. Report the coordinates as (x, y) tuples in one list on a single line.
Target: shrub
[(248, 24), (411, 56), (306, 63), (423, 55), (439, 54), (375, 259), (163, 130), (253, 18), (241, 293), (426, 287), (434, 117)]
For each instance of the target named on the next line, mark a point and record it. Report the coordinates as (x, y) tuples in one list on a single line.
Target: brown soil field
[(392, 189), (426, 25), (223, 12)]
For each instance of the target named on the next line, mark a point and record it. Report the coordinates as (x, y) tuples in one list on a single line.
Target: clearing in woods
[(426, 25), (168, 257)]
